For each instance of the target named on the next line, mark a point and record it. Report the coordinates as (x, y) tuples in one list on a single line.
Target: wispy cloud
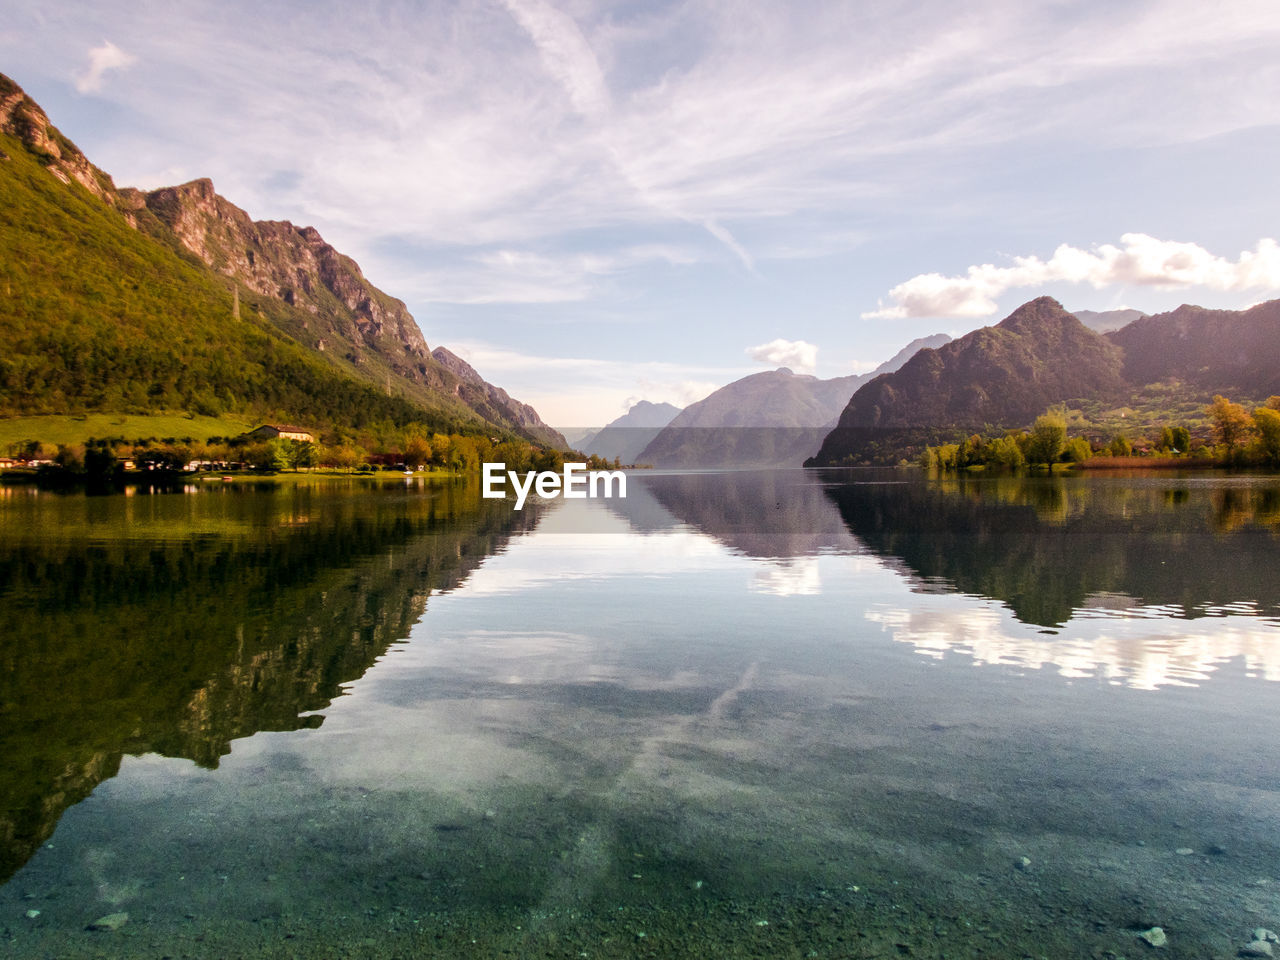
[(1140, 260), (509, 275), (796, 354), (551, 119), (102, 60)]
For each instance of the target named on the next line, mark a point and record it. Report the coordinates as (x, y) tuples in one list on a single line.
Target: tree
[(1120, 446), (1231, 422), (301, 453), (417, 451), (1006, 452), (1078, 450), (1267, 422), (1048, 437)]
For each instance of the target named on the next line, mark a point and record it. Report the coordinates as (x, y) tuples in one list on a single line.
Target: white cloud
[(799, 356), (565, 52), (465, 127), (512, 275), (102, 59), (1141, 260), (476, 128)]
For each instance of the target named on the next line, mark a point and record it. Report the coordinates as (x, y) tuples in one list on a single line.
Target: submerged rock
[(1023, 863), (112, 921), (1155, 937), (1262, 933), (1257, 948)]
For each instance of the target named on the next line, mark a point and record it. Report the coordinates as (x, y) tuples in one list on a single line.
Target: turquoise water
[(779, 714)]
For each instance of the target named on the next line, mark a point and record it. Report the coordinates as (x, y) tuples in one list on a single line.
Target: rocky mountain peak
[(21, 117), (454, 363)]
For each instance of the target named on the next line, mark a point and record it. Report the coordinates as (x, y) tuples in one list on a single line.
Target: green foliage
[(1266, 421), (1048, 437), (1120, 446), (1077, 450), (1006, 452), (97, 316)]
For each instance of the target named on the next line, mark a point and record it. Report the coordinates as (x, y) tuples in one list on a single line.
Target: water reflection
[(1101, 565), (1051, 547), (727, 714), (177, 624)]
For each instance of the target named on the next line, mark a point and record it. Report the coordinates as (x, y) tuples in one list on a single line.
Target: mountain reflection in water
[(1106, 554), (176, 623)]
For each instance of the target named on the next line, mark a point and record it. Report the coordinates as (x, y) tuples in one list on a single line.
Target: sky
[(597, 202)]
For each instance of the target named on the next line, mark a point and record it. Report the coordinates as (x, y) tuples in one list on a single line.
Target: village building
[(283, 431)]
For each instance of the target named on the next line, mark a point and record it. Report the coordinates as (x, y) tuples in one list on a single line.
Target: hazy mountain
[(895, 362), (120, 300), (627, 436), (776, 418), (579, 437), (995, 377), (1213, 351), (1107, 320)]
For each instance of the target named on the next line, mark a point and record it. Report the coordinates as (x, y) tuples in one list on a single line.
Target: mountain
[(1107, 320), (120, 300), (995, 377), (776, 418), (494, 403), (625, 437), (894, 363), (1212, 351)]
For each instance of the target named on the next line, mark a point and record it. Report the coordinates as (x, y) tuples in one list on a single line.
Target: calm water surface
[(781, 714)]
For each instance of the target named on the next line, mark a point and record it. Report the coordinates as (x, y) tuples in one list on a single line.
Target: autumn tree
[(1231, 422), (417, 451)]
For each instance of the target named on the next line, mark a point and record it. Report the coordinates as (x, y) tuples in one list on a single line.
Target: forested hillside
[(117, 301)]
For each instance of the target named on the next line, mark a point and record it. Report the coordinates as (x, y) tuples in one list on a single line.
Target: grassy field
[(67, 429)]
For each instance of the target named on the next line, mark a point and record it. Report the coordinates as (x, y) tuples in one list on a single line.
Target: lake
[(760, 714)]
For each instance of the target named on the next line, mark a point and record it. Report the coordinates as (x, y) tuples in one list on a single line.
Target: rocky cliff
[(485, 398), (322, 300)]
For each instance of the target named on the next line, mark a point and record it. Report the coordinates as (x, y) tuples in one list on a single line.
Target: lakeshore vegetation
[(1228, 434)]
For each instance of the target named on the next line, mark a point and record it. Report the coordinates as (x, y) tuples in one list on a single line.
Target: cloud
[(1141, 260), (796, 354), (102, 60), (465, 127), (512, 275), (565, 52)]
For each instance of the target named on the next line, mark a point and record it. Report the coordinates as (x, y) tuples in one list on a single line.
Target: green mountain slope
[(1156, 368), (116, 300), (1001, 376), (1228, 351)]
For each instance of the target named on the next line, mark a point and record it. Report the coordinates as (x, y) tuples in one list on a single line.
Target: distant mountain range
[(1107, 320), (625, 437), (1002, 377), (116, 299), (775, 418)]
